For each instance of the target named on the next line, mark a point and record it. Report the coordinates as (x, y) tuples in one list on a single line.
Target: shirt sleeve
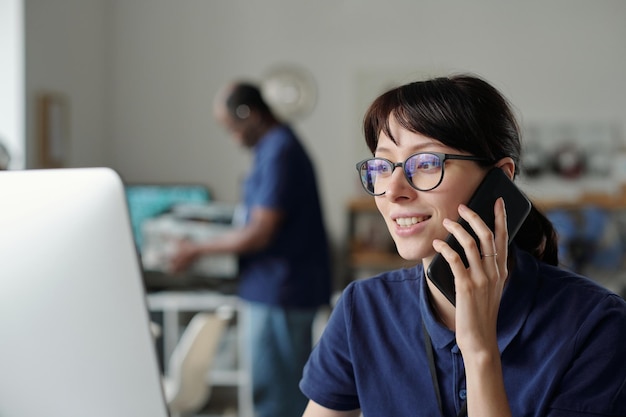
[(595, 382), (274, 174), (328, 377)]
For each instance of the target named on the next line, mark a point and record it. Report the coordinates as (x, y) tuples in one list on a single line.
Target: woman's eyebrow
[(415, 149)]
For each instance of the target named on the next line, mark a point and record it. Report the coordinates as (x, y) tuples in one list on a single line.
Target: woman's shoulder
[(392, 277), (367, 306), (560, 288), (572, 283), (399, 284)]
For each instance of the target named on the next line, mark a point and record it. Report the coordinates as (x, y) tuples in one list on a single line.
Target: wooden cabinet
[(609, 201)]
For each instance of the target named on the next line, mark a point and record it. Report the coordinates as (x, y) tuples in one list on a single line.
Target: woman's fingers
[(486, 259)]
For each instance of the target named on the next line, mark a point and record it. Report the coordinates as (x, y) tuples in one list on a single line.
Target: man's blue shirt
[(294, 270), (562, 340)]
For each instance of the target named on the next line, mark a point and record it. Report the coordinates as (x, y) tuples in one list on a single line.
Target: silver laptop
[(74, 325)]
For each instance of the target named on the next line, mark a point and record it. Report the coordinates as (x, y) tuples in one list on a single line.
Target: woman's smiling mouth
[(410, 221)]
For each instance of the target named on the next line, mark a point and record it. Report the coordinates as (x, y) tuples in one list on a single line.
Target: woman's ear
[(508, 166)]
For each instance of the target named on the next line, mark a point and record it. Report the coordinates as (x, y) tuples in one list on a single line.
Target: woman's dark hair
[(249, 96), (466, 113)]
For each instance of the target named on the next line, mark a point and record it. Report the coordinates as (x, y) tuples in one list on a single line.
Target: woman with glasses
[(526, 338)]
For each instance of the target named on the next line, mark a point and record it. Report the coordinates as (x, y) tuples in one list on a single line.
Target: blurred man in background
[(285, 272)]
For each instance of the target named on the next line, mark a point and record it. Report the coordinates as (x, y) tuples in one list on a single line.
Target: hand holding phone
[(495, 184)]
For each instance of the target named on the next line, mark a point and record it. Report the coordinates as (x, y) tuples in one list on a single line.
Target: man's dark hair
[(244, 99)]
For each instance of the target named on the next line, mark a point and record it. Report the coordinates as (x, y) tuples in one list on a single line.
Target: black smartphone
[(495, 184)]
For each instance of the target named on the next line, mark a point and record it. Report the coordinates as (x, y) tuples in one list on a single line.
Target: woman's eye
[(427, 164), (381, 168)]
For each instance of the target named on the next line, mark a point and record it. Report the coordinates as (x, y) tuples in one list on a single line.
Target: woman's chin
[(411, 254)]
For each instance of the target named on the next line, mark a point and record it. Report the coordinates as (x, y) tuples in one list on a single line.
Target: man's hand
[(185, 254)]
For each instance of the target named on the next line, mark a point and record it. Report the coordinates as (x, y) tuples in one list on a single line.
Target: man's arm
[(254, 236), (313, 409)]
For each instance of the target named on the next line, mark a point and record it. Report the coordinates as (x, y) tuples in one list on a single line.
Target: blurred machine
[(164, 214), (194, 222)]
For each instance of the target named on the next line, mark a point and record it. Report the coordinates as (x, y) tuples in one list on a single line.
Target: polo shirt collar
[(517, 299), (440, 335), (265, 139), (515, 306)]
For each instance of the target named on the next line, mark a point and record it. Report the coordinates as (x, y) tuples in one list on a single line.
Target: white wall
[(142, 73), (12, 106), (67, 52)]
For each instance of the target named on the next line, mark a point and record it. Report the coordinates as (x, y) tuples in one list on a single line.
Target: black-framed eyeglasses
[(424, 171)]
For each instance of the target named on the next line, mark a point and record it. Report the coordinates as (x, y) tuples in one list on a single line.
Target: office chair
[(187, 385)]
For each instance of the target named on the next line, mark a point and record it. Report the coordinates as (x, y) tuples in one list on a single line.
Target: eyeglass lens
[(424, 171)]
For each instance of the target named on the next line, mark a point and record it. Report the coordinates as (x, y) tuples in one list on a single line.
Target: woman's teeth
[(409, 221)]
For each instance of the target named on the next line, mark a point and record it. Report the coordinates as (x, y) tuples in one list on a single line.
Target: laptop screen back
[(74, 325)]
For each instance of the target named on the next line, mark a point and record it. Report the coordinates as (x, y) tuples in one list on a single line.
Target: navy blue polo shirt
[(562, 340), (294, 270)]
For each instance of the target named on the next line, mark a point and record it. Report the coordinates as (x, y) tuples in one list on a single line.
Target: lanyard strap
[(430, 353)]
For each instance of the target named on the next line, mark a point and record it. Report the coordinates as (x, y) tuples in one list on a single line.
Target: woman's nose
[(398, 185)]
